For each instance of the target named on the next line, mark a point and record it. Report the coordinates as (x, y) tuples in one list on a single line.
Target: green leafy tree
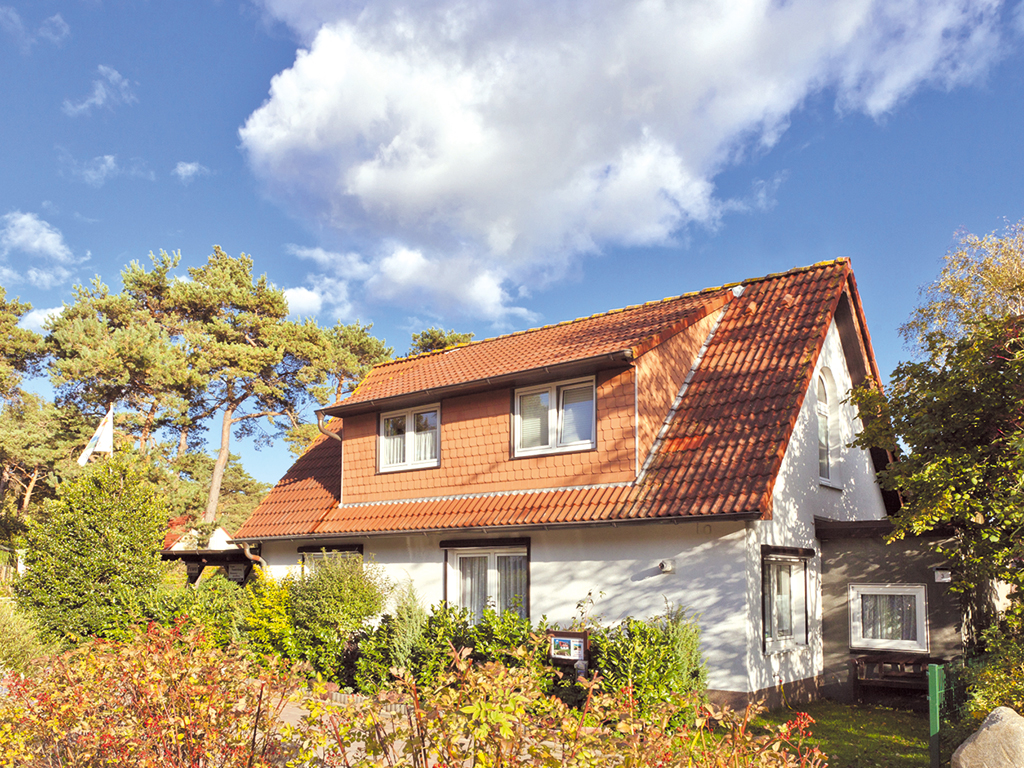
[(981, 277), (37, 440), (98, 540), (433, 339), (22, 349), (956, 423)]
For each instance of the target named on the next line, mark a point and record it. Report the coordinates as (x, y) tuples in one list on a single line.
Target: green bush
[(267, 624), (97, 541), (20, 640), (653, 660)]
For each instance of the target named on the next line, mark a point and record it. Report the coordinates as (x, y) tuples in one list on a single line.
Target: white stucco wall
[(799, 496), (617, 566)]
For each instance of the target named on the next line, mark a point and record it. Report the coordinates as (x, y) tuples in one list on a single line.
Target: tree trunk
[(27, 499), (221, 464), (182, 442)]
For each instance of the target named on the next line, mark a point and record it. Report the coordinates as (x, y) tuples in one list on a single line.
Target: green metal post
[(936, 692)]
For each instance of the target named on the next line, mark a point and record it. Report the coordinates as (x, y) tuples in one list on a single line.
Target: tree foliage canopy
[(956, 423), (433, 339), (22, 349), (981, 277)]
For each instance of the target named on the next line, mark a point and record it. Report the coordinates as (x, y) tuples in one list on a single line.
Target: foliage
[(20, 641), (433, 339), (22, 349), (162, 698), (267, 622), (213, 605), (37, 439), (960, 416), (99, 539), (329, 605), (982, 277), (493, 715), (409, 623), (654, 659)]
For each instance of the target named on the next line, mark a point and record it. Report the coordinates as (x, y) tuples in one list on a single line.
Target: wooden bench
[(894, 671)]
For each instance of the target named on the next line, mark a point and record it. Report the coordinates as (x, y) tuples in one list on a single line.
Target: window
[(310, 555), (824, 458), (556, 417), (410, 439), (784, 597), (495, 573), (888, 617)]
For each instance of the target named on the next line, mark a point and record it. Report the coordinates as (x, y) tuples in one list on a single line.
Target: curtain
[(782, 574), (473, 585), (533, 420), (888, 617), (394, 440), (425, 436), (577, 415), (512, 584), (823, 437)]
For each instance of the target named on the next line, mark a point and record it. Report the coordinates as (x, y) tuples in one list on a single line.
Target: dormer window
[(555, 417), (410, 439)]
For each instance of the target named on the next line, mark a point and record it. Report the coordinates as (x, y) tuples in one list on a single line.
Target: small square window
[(555, 417), (889, 617), (784, 601), (410, 439)]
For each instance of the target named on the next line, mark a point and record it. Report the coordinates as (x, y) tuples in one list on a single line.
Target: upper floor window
[(824, 438), (555, 417), (410, 439)]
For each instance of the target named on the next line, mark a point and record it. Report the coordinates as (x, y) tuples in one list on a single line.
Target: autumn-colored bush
[(489, 714), (164, 698)]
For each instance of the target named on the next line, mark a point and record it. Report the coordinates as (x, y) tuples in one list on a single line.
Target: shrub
[(19, 639), (98, 540), (164, 698), (654, 659), (329, 605), (267, 623), (409, 623), (494, 715)]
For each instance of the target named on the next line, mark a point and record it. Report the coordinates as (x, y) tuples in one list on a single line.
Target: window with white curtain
[(822, 408), (784, 601), (497, 577), (889, 617), (555, 417), (410, 439)]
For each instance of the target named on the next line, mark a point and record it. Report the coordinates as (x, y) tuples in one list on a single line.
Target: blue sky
[(497, 165)]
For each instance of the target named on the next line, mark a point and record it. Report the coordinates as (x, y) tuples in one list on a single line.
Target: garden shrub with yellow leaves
[(165, 697)]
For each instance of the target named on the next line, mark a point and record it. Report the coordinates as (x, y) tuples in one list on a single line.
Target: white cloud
[(109, 90), (35, 319), (492, 144), (54, 29), (187, 172), (26, 235), (102, 168), (303, 302)]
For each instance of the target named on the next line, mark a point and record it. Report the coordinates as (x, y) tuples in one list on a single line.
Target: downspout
[(255, 558), (341, 461)]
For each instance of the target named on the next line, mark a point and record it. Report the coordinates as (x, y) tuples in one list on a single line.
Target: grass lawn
[(865, 736)]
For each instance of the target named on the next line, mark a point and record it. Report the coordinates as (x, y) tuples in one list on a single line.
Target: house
[(677, 451)]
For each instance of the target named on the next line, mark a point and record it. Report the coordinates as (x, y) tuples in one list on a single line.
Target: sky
[(493, 166)]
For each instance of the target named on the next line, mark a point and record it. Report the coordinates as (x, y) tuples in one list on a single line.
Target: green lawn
[(865, 736)]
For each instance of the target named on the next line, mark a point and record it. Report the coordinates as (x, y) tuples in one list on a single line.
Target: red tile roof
[(720, 454), (633, 329)]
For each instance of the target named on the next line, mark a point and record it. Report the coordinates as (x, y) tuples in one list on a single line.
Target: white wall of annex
[(799, 495)]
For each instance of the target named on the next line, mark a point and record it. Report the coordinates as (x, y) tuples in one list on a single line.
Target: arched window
[(824, 441)]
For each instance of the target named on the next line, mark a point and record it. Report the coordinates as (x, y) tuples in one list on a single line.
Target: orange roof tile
[(633, 329), (721, 451)]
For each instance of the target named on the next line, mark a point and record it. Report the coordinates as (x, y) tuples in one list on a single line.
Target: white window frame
[(824, 424), (555, 412), (798, 606), (454, 580), (410, 446), (857, 639)]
